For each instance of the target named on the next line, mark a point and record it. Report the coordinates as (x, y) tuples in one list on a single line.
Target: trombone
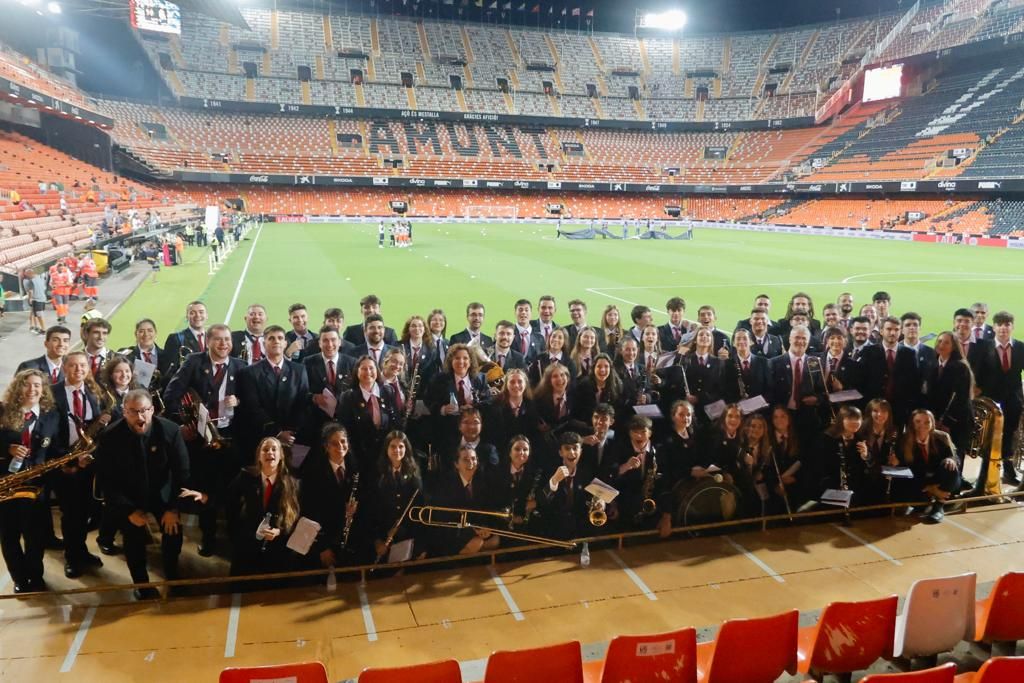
[(425, 515)]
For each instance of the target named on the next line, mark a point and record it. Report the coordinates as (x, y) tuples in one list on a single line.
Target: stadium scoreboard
[(159, 16)]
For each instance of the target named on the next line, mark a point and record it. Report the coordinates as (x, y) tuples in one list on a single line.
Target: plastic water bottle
[(585, 555), (16, 464), (332, 582)]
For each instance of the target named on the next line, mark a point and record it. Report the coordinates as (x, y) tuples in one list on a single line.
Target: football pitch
[(449, 265)]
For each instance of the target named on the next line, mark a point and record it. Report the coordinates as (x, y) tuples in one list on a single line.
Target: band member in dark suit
[(527, 340), (420, 351), (910, 328), (335, 318), (392, 374), (610, 334), (891, 372), (330, 495), (798, 303), (460, 384), (785, 478), (437, 326), (262, 492), (29, 428), (1001, 381), (981, 329), (636, 474), (147, 351), (585, 351), (514, 484), (300, 339), (470, 428), (839, 370), (602, 386), (556, 352), (671, 333), (250, 342), (368, 411), (464, 487), (143, 467), (599, 455), (556, 404), (330, 370), (58, 341), (215, 377), (398, 483), (707, 317), (881, 436), (679, 460), (374, 345), (562, 500), (77, 395), (744, 375), (273, 395), (545, 323), (703, 371), (503, 354), (578, 314), (649, 350), (949, 392), (369, 305), (513, 412), (762, 303), (473, 334), (798, 396), (932, 457), (192, 338), (843, 462), (973, 350)]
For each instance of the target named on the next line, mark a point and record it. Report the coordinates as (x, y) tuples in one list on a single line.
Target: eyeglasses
[(140, 411)]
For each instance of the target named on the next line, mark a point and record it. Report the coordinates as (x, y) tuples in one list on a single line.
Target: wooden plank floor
[(462, 612)]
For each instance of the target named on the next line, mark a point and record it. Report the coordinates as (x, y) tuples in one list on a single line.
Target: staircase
[(328, 34), (332, 132)]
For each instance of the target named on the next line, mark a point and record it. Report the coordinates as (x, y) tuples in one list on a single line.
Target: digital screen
[(155, 15), (883, 83)]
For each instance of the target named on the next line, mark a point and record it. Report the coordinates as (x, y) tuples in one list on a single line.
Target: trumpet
[(425, 515), (13, 486), (596, 512)]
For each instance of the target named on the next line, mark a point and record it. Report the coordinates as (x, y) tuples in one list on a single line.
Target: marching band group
[(388, 440)]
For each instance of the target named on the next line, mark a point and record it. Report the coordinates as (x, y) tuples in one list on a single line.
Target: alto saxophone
[(13, 486), (648, 506)]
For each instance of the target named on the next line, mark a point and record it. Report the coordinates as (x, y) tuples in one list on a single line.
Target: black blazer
[(197, 373), (240, 339), (45, 439), (535, 345), (543, 360), (162, 358), (667, 338), (356, 335), (464, 338), (137, 479), (427, 363), (1003, 387), (312, 345), (780, 380), (323, 499), (769, 347), (976, 352), (513, 359), (173, 344), (906, 379), (316, 373), (269, 403), (42, 366), (62, 408), (357, 416), (245, 510), (755, 379), (535, 324), (364, 350), (705, 381), (849, 372)]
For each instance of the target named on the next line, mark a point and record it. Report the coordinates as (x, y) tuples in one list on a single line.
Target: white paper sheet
[(650, 410), (204, 418), (897, 472), (143, 372), (837, 497), (715, 409), (601, 490), (330, 402), (752, 404), (401, 551), (303, 536), (844, 396)]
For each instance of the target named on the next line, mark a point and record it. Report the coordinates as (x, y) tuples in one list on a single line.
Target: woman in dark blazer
[(368, 411)]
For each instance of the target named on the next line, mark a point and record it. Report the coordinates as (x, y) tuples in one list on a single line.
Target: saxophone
[(14, 486), (647, 505), (348, 518)]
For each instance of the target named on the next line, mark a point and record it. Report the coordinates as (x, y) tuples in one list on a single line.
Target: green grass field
[(326, 265)]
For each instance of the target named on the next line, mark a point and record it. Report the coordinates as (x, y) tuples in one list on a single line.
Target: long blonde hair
[(13, 418)]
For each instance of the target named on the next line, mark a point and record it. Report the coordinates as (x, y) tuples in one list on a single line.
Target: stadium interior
[(905, 124)]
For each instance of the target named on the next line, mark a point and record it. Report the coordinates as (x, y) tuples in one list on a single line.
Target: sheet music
[(204, 419), (837, 497), (330, 402), (752, 404), (897, 472), (845, 395), (650, 410), (143, 372), (302, 538), (401, 551), (666, 360), (715, 409), (601, 490)]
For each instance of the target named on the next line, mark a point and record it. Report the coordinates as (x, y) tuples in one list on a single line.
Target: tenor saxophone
[(14, 486), (648, 506)]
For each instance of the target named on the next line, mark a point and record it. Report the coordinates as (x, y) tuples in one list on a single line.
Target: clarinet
[(348, 519), (410, 399), (741, 385), (844, 483)]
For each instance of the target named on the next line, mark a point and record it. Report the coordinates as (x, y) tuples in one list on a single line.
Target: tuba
[(987, 440)]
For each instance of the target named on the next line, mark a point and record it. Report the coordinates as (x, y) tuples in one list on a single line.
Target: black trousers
[(74, 494), (212, 471), (135, 540), (23, 538)]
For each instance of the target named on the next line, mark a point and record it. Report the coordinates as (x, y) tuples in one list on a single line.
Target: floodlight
[(53, 7), (673, 19)]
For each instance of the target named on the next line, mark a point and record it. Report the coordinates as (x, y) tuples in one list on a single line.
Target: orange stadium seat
[(938, 674), (305, 672), (562, 663), (651, 658), (446, 671), (756, 650), (849, 636), (996, 670), (1000, 617)]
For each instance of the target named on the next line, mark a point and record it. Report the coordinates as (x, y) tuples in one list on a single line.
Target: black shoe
[(965, 485), (934, 514), (108, 547), (20, 588), (38, 586), (1010, 477), (71, 570), (91, 560), (146, 594), (54, 543), (208, 548)]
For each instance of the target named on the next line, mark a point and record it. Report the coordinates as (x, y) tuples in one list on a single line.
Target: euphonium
[(190, 403), (596, 513)]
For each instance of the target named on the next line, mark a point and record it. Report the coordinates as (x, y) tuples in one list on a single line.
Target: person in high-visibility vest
[(90, 276), (60, 285)]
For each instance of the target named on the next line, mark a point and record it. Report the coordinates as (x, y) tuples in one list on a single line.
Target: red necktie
[(54, 376), (1006, 358), (890, 385), (202, 341), (746, 366), (523, 342), (561, 407), (415, 358), (832, 362), (923, 450), (95, 364), (268, 490), (977, 333), (257, 352), (398, 392), (464, 394), (277, 370), (79, 407), (375, 410), (26, 432), (332, 376), (218, 377), (501, 360), (798, 377), (148, 356), (632, 371), (677, 333), (890, 358)]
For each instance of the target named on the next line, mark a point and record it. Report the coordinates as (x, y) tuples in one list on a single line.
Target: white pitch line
[(76, 644), (513, 608), (233, 616), (364, 603), (603, 291), (241, 280), (600, 292), (981, 537), (870, 546), (755, 559), (634, 577)]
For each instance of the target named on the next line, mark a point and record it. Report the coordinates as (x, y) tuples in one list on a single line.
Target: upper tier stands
[(37, 229), (17, 68)]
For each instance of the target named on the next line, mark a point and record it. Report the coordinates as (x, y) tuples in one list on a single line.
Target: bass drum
[(705, 501)]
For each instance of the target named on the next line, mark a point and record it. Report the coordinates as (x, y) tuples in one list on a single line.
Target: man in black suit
[(798, 303), (578, 314), (329, 369), (374, 345), (745, 374), (707, 317), (1000, 380), (839, 370), (300, 339), (910, 328), (504, 354), (672, 332), (470, 427), (57, 343), (860, 331), (791, 384), (273, 396), (464, 487), (641, 317), (562, 500), (974, 350), (845, 303), (762, 342), (760, 301), (473, 334), (891, 372), (598, 451), (94, 336), (213, 376), (527, 341), (250, 342), (146, 350), (143, 467), (192, 338), (74, 483), (368, 305), (545, 321), (981, 329)]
